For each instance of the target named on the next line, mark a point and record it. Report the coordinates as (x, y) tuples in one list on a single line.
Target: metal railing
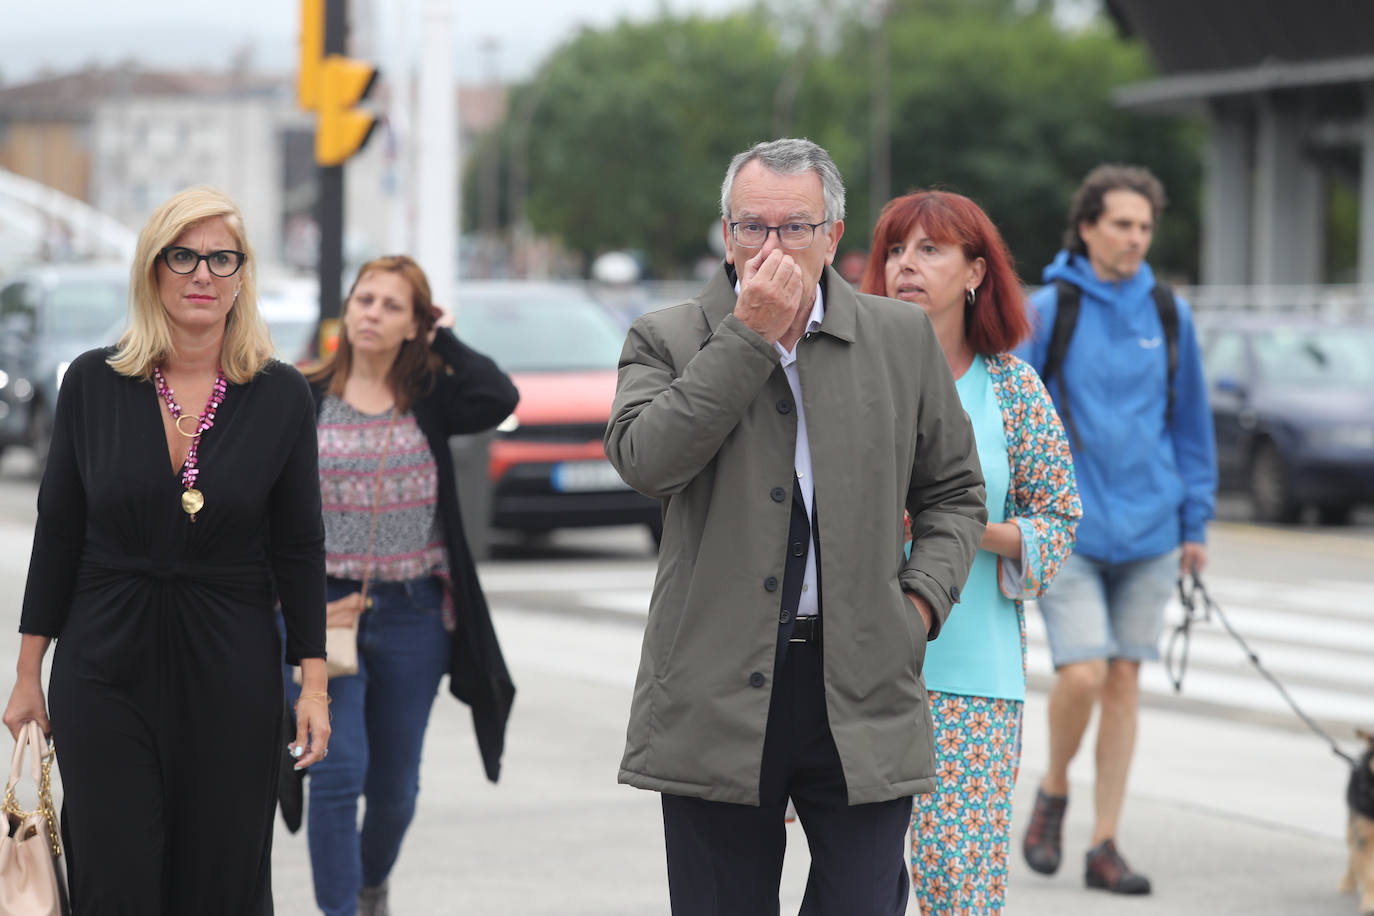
[(1334, 302)]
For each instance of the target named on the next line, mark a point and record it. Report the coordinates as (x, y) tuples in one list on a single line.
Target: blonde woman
[(181, 490)]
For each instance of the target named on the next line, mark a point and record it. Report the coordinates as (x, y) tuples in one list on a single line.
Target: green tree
[(630, 128), (994, 100), (626, 131)]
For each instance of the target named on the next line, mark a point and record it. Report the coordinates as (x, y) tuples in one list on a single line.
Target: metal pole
[(437, 148), (329, 209), (880, 182), (1365, 257)]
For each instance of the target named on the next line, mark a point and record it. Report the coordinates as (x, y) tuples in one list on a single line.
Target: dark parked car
[(48, 316), (548, 468), (1293, 402)]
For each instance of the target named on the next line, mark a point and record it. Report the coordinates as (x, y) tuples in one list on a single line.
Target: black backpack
[(1069, 297)]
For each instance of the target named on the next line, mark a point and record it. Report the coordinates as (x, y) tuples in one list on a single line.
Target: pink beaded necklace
[(192, 500)]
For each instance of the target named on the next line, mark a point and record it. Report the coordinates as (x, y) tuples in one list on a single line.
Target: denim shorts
[(1108, 610)]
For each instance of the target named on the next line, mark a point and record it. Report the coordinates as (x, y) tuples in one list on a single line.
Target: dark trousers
[(726, 859)]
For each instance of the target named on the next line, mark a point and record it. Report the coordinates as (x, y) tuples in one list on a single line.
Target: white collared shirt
[(801, 459)]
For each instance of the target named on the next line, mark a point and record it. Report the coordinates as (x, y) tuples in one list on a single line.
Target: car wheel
[(1333, 514), (40, 436), (1271, 493)]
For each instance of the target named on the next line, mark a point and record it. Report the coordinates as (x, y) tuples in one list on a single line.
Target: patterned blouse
[(1043, 496), (408, 543)]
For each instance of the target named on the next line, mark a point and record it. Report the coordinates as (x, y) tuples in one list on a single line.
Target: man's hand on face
[(770, 294)]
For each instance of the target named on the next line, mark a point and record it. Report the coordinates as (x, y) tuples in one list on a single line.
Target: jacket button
[(756, 679), (784, 406), (784, 616), (798, 549), (771, 583), (954, 593), (778, 494)]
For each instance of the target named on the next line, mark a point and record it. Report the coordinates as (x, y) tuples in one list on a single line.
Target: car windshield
[(85, 308), (1317, 356), (540, 333)]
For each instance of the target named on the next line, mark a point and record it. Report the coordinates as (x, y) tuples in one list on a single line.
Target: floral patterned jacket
[(1043, 496)]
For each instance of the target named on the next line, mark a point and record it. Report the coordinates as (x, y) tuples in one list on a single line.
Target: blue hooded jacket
[(1146, 485)]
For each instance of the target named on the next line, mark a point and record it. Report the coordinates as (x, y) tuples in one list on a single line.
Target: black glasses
[(751, 234), (185, 261)]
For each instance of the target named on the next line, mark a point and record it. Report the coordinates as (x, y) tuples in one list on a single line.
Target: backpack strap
[(1068, 297), (1167, 308)]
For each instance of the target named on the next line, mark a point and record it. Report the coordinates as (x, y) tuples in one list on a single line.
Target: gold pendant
[(192, 501), (195, 425)]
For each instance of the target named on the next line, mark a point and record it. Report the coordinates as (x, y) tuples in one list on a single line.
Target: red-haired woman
[(940, 251), (396, 389)]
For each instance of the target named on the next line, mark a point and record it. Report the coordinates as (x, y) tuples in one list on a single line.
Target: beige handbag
[(341, 643), (32, 882)]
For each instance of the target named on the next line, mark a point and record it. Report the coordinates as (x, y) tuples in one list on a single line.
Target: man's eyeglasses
[(185, 261), (750, 234)]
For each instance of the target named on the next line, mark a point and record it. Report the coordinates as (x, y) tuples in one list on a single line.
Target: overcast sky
[(67, 34)]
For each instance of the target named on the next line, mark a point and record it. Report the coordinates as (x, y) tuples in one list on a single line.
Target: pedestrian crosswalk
[(1316, 637)]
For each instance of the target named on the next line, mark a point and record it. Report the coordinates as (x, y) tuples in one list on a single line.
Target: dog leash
[(1198, 607)]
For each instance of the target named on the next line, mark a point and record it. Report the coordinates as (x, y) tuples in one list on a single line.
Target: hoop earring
[(970, 297)]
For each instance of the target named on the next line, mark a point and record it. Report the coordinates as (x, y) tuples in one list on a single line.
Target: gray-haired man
[(786, 421)]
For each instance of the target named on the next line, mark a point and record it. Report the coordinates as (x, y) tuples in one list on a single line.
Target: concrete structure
[(39, 222), (44, 124), (1288, 90), (124, 139), (146, 148)]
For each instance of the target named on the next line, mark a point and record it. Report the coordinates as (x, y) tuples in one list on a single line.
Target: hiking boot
[(372, 901), (1106, 869), (1042, 842)]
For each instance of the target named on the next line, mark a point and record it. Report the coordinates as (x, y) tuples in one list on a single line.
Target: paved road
[(1228, 814), (1302, 599)]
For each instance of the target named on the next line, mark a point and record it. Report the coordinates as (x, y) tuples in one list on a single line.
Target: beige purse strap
[(376, 502)]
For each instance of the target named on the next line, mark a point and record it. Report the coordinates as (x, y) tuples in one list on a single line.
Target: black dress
[(165, 693)]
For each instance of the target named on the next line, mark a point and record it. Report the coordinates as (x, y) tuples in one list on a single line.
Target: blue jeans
[(379, 720)]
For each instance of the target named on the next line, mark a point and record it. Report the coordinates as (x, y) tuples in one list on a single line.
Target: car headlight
[(1345, 436), (62, 370)]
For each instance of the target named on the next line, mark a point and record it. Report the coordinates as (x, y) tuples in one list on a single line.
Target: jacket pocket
[(915, 630)]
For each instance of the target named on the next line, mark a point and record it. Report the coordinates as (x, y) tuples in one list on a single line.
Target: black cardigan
[(472, 395)]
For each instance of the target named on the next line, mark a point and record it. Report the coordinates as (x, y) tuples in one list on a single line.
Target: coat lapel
[(718, 298)]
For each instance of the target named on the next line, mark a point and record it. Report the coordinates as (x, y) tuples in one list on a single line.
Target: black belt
[(806, 629)]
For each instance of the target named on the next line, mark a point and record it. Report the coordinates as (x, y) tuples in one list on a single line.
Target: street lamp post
[(880, 122), (437, 149)]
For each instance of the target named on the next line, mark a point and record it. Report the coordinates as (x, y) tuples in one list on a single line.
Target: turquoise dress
[(975, 671)]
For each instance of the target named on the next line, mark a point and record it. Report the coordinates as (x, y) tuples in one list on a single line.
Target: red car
[(548, 468)]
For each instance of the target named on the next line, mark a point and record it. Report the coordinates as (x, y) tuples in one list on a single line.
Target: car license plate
[(586, 477)]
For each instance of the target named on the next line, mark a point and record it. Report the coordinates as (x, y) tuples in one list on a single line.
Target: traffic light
[(332, 84), (342, 129)]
